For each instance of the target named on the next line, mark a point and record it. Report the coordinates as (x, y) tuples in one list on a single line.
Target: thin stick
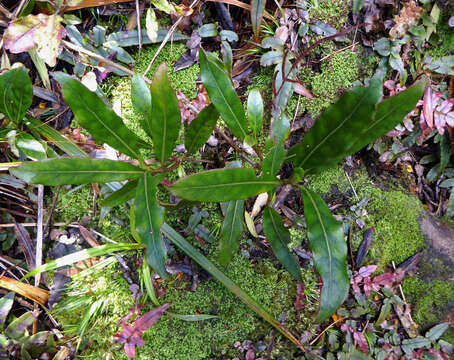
[(139, 27), (242, 5), (338, 51), (101, 58), (237, 149), (6, 12), (39, 233), (327, 328), (167, 37), (19, 8)]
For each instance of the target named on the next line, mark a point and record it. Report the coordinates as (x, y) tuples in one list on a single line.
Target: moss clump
[(445, 37), (337, 75), (429, 299), (394, 216), (333, 12)]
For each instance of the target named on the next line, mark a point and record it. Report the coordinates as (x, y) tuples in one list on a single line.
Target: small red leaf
[(301, 90)]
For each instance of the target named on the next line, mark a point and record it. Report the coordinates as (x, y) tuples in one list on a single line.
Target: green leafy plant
[(355, 120)]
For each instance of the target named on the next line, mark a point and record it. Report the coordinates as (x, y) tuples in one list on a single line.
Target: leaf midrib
[(229, 184), (225, 100)]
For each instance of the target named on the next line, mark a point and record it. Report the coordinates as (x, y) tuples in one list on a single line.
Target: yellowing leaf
[(151, 24)]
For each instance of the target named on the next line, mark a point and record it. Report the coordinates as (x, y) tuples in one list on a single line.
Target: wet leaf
[(255, 111), (208, 30), (326, 240), (232, 227), (16, 94), (151, 25), (279, 237), (32, 148)]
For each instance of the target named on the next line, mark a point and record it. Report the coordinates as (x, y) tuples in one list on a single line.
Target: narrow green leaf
[(337, 128), (198, 317), (257, 8), (32, 148), (326, 240), (84, 255), (16, 94), (221, 185), (94, 115), (149, 217), (141, 101), (189, 250), (56, 138), (146, 276), (255, 111), (232, 227), (126, 193), (279, 237), (75, 171), (16, 329), (357, 6), (6, 303), (285, 89), (390, 113), (222, 94), (273, 161), (165, 122), (199, 130)]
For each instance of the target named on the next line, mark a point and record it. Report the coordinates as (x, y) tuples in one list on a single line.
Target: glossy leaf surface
[(389, 113), (94, 115), (221, 185), (165, 122), (188, 249), (273, 161), (337, 128), (219, 86), (255, 111), (125, 193), (30, 146), (16, 94), (278, 236), (232, 227), (75, 171), (326, 240), (141, 101), (149, 216), (199, 130), (56, 138)]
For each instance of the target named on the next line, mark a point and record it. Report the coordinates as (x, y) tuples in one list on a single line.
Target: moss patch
[(333, 12), (445, 44)]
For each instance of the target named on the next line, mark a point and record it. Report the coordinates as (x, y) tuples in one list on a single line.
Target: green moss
[(183, 80), (429, 299), (333, 12), (394, 215), (445, 37)]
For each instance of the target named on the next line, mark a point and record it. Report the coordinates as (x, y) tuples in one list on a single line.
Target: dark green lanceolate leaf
[(222, 94), (437, 331), (199, 130), (273, 161), (389, 114), (232, 227), (75, 171), (94, 115), (221, 185), (141, 101), (283, 88), (126, 193), (16, 94), (188, 249), (337, 128), (278, 237), (149, 217), (31, 147), (326, 240), (255, 111), (17, 328), (165, 122), (56, 138), (257, 8)]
